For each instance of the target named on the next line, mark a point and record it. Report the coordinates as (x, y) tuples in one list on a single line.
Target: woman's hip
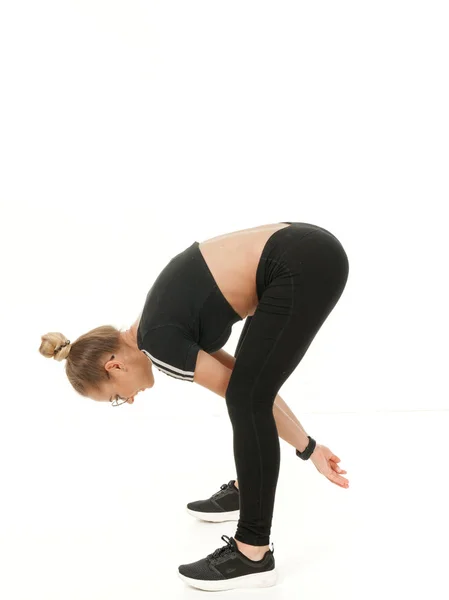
[(302, 254)]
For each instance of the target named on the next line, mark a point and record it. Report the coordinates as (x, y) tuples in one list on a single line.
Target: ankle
[(252, 552), (236, 483)]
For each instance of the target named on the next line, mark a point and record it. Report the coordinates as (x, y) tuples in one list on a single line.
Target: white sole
[(255, 580), (218, 517)]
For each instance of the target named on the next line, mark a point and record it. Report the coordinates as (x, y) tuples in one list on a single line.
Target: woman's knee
[(235, 395)]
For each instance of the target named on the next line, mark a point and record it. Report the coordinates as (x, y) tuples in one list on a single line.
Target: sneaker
[(227, 569), (224, 505)]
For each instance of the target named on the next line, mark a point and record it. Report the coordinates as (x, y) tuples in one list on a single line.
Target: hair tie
[(62, 346)]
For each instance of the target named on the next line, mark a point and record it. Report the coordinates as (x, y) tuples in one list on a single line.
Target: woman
[(285, 279)]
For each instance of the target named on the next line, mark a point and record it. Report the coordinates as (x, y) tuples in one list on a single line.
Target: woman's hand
[(326, 463)]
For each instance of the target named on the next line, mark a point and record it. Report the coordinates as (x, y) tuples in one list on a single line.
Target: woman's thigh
[(310, 276)]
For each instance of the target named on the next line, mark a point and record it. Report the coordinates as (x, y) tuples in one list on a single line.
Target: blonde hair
[(85, 358)]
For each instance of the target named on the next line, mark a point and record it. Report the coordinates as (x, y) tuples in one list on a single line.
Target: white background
[(131, 129)]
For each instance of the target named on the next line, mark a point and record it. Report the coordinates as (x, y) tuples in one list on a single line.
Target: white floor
[(384, 537)]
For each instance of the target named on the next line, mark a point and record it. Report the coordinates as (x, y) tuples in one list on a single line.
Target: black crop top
[(184, 311)]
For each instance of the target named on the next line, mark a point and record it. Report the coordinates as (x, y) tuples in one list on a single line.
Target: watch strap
[(307, 452)]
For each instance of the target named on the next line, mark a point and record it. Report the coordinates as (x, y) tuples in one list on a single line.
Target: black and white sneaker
[(224, 505), (227, 569)]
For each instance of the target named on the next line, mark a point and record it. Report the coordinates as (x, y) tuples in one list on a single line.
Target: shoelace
[(219, 552)]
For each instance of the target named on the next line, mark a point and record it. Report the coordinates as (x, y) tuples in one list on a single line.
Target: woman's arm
[(217, 377), (288, 426)]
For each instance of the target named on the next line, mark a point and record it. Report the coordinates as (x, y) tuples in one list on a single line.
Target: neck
[(129, 337)]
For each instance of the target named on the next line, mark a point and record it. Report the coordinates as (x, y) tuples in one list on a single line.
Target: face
[(130, 372)]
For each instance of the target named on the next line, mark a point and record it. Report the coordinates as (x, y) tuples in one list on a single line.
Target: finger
[(341, 481), (337, 468), (335, 458)]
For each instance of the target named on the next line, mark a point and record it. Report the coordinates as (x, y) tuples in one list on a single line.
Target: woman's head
[(103, 363)]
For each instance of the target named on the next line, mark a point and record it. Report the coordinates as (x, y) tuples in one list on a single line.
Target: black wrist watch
[(305, 454)]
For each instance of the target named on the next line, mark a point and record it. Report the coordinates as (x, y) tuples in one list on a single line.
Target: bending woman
[(285, 279)]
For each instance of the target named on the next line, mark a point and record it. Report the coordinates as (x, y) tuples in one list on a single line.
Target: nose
[(131, 398)]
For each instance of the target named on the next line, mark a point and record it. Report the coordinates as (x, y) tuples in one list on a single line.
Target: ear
[(111, 364)]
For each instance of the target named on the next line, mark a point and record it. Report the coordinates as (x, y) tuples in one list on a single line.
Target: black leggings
[(300, 277)]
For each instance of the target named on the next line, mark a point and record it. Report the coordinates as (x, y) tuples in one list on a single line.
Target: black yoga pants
[(300, 277)]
